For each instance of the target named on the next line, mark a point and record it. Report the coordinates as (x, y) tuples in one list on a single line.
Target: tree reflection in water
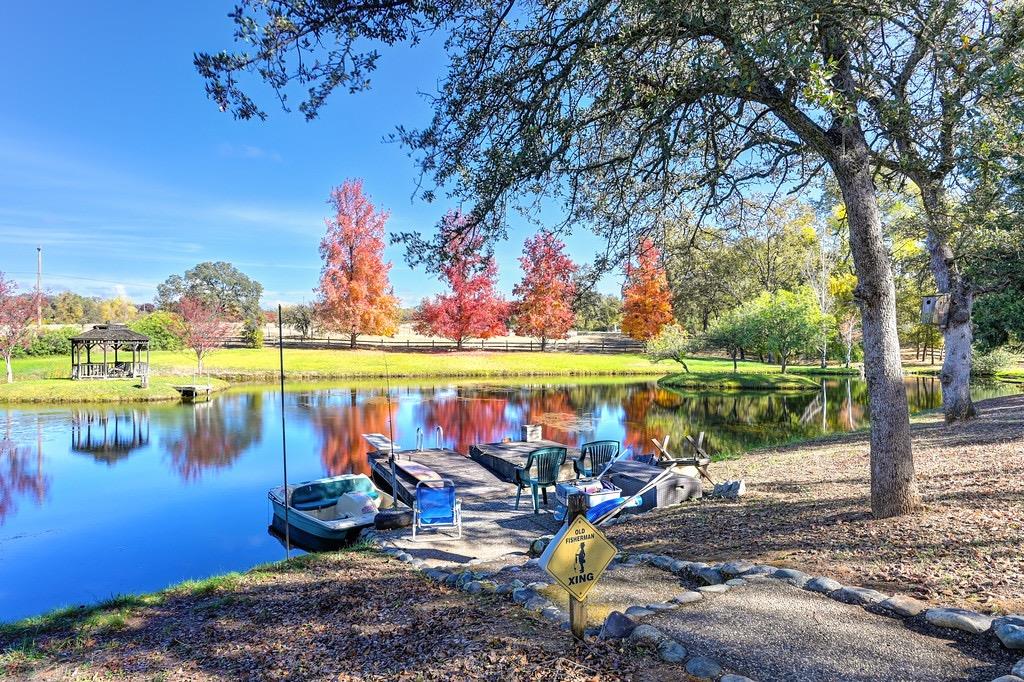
[(341, 418), (215, 433), (21, 474)]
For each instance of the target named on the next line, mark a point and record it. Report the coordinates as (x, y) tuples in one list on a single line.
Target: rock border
[(715, 578), (719, 577)]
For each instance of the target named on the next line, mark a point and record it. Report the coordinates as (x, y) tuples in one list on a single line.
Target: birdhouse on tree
[(935, 309)]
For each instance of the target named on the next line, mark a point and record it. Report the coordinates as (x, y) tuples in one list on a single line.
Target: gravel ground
[(807, 506), (773, 631)]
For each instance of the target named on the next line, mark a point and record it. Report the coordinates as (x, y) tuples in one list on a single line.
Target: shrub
[(252, 335), (987, 364), (162, 329), (50, 342)]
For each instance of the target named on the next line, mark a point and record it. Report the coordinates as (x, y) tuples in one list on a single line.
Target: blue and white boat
[(329, 512)]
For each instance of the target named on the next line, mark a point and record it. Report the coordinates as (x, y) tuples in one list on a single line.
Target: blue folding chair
[(436, 506)]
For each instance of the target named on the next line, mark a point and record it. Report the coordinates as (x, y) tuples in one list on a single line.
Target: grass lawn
[(45, 379), (113, 391)]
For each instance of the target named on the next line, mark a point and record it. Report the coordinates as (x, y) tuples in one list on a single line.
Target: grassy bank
[(744, 380), (37, 378), (351, 615), (95, 391)]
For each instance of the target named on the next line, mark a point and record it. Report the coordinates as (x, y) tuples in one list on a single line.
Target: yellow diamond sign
[(578, 557)]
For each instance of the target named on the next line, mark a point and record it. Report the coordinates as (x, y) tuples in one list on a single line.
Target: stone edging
[(526, 595), (1008, 630)]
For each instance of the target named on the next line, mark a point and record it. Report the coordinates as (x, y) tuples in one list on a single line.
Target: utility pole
[(39, 287)]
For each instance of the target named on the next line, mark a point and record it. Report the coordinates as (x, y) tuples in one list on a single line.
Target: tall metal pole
[(284, 440), (39, 287)]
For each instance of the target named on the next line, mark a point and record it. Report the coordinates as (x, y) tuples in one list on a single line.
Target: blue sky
[(113, 159)]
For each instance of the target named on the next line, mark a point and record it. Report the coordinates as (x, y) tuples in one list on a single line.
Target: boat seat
[(326, 494)]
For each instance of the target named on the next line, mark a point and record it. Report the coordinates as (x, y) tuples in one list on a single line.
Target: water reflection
[(212, 435), (21, 473), (109, 435), (99, 501)]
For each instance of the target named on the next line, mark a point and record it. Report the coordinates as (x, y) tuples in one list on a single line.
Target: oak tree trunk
[(893, 489), (352, 340), (957, 334)]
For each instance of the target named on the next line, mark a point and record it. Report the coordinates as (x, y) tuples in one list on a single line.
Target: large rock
[(688, 597), (1018, 668), (671, 651), (536, 603), (791, 576), (521, 595), (639, 612), (903, 605), (959, 619), (473, 587), (1008, 678), (736, 568), (703, 668), (647, 634), (735, 582), (735, 678), (617, 626), (713, 589), (823, 585), (662, 561), (1010, 631), (859, 595), (710, 576), (761, 569)]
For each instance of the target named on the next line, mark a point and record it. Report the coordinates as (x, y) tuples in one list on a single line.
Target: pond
[(104, 500)]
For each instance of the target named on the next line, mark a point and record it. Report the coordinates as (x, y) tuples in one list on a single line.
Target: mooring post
[(576, 504)]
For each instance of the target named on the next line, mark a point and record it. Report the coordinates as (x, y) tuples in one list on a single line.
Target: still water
[(105, 500)]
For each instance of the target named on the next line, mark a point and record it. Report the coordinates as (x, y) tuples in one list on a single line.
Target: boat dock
[(503, 458), (194, 392), (492, 527)]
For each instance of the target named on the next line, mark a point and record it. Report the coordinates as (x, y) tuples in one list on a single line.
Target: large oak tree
[(628, 110)]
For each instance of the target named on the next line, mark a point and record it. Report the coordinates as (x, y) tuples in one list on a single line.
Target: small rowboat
[(329, 512)]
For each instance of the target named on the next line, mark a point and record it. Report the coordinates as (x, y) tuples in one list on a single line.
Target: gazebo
[(108, 338)]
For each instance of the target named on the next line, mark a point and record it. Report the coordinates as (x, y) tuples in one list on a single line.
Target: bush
[(161, 328), (50, 342), (252, 335), (988, 364)]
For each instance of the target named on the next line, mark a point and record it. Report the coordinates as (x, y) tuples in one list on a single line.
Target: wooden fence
[(616, 344)]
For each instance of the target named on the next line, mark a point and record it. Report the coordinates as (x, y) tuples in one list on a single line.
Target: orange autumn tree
[(645, 305), (355, 296), (544, 298)]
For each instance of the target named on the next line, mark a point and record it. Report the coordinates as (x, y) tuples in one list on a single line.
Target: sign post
[(576, 558)]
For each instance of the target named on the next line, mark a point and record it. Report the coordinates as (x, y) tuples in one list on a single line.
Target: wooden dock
[(503, 458), (472, 481), (194, 392)]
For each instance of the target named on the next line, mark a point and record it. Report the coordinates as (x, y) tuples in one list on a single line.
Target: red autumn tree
[(17, 312), (473, 309), (355, 296), (544, 298), (203, 326), (645, 307)]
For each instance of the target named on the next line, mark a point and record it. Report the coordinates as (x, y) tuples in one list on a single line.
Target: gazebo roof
[(110, 332)]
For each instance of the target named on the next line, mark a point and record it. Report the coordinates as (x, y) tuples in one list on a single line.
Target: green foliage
[(252, 335), (734, 332), (597, 312), (999, 318), (50, 342), (301, 317), (161, 328), (220, 284), (671, 343), (990, 363)]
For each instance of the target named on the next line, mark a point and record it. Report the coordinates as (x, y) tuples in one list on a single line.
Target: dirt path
[(807, 506)]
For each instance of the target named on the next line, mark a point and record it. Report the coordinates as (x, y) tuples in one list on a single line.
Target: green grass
[(116, 390), (45, 379)]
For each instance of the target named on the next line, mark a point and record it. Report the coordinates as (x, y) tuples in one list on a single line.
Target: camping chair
[(549, 461), (600, 451), (436, 505)]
